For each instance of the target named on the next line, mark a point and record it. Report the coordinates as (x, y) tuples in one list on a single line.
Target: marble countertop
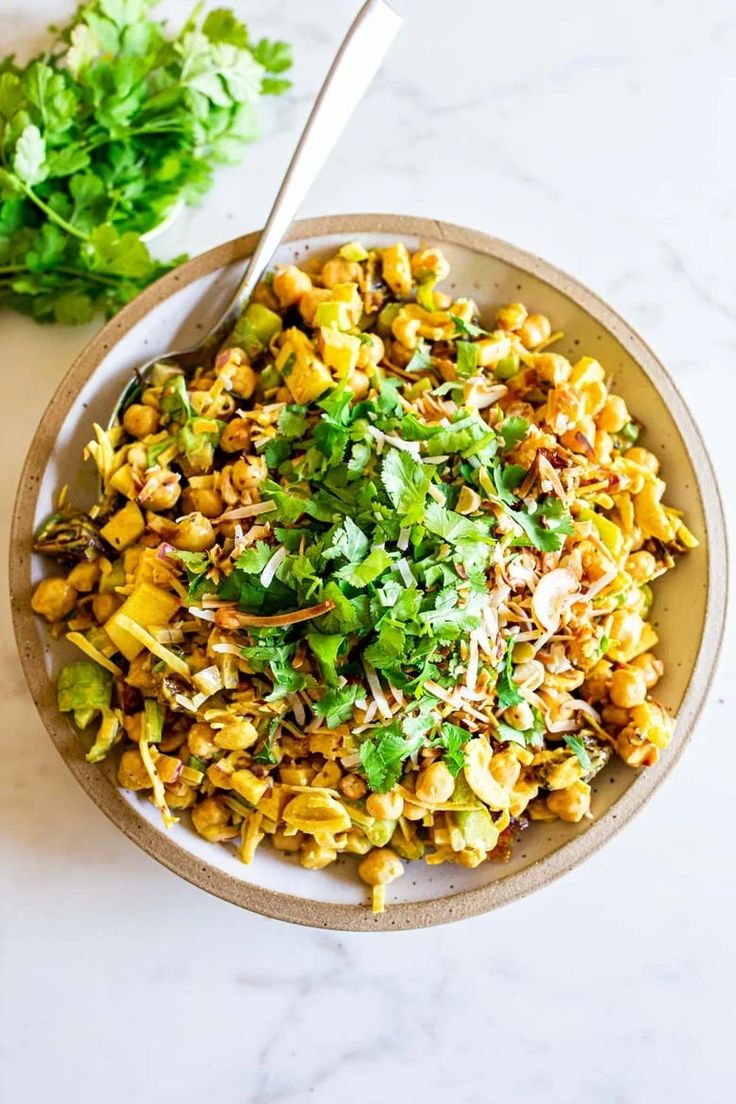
[(602, 139)]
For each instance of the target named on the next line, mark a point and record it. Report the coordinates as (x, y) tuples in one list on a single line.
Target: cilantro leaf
[(348, 541), (292, 421), (325, 649), (545, 525), (382, 757), (421, 360), (361, 574), (513, 430), (452, 739), (336, 706), (30, 156), (454, 527), (406, 481), (576, 744), (468, 329), (253, 560), (506, 689)]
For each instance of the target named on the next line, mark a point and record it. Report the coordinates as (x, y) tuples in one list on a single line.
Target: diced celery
[(609, 532), (106, 736), (84, 689), (255, 329), (478, 829), (153, 721), (507, 367), (386, 317), (354, 251), (380, 832), (114, 578), (334, 316)]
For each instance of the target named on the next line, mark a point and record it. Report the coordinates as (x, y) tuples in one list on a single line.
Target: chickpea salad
[(376, 581)]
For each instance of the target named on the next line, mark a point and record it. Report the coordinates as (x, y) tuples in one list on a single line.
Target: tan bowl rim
[(284, 906)]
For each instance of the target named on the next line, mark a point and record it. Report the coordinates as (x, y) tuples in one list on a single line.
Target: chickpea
[(570, 804), (84, 576), (339, 271), (249, 472), (380, 867), (650, 667), (615, 715), (397, 269), (358, 383), (200, 740), (210, 819), (641, 566), (235, 436), (595, 400), (523, 651), (310, 301), (132, 773), (236, 736), (596, 684), (243, 380), (625, 629), (412, 811), (352, 786), (628, 687), (54, 598), (505, 768), (370, 352), (104, 606), (205, 500), (140, 420), (643, 457), (388, 806), (315, 856), (535, 330), (614, 415), (519, 716), (290, 284), (194, 533), (429, 264), (283, 842), (166, 495), (603, 447), (512, 316), (435, 784)]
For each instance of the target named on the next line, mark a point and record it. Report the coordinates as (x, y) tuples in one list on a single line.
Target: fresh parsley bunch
[(104, 134)]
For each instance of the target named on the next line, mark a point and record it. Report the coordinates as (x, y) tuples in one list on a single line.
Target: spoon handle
[(358, 59)]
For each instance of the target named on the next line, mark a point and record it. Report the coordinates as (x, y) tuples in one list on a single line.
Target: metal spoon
[(356, 63)]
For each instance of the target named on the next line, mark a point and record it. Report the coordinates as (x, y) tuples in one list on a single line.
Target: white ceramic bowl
[(176, 311)]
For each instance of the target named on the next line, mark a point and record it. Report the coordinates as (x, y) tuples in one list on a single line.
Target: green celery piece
[(153, 721), (84, 689), (114, 578), (255, 329), (380, 832), (106, 737), (478, 828)]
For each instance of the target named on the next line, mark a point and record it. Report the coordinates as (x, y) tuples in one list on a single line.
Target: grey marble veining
[(600, 137)]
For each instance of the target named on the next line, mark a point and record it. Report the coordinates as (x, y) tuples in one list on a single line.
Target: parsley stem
[(51, 213)]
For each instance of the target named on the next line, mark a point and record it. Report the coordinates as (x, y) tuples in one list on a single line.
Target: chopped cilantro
[(576, 744), (382, 757)]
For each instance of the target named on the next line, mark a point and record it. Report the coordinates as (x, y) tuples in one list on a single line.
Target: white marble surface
[(602, 138)]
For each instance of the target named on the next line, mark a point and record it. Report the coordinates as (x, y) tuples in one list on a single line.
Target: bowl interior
[(492, 274)]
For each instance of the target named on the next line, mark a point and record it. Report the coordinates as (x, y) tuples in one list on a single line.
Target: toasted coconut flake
[(253, 510), (94, 653), (269, 571), (379, 697), (234, 619), (403, 542)]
